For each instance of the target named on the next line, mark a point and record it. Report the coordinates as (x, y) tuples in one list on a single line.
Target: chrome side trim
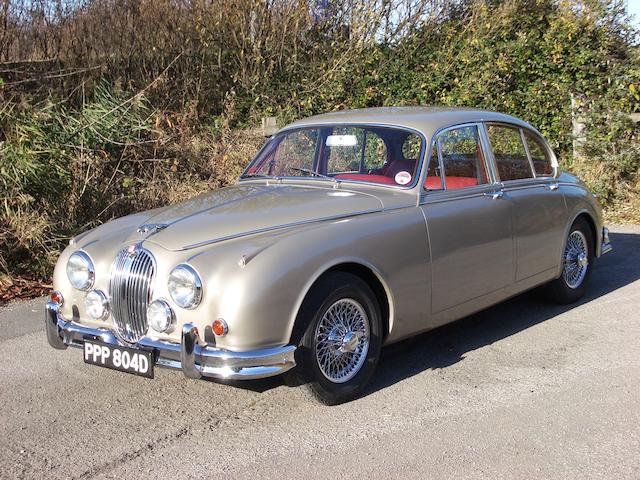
[(528, 183), (439, 196), (192, 356)]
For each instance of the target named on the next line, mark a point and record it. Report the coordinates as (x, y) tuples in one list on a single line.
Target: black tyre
[(578, 258), (340, 348)]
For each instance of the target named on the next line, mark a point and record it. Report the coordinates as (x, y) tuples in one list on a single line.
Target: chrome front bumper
[(192, 356), (605, 246)]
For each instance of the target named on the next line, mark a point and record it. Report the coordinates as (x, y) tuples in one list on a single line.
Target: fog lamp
[(160, 316), (96, 305)]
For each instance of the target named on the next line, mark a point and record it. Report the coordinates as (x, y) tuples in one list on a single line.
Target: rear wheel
[(577, 262), (340, 348)]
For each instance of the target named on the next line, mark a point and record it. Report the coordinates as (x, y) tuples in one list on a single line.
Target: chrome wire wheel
[(342, 340), (576, 259)]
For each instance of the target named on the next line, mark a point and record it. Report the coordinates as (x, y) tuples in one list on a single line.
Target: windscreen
[(380, 155)]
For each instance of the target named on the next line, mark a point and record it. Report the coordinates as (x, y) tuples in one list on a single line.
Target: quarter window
[(462, 160), (539, 156), (509, 153)]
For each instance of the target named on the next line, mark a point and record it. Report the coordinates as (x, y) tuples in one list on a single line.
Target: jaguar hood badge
[(132, 250), (152, 228)]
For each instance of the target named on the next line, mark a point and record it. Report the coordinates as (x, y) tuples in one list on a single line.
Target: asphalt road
[(523, 390)]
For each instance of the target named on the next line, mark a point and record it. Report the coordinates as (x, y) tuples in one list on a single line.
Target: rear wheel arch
[(560, 290), (588, 218), (592, 224)]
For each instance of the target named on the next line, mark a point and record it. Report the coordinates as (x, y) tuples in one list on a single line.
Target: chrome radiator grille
[(130, 290)]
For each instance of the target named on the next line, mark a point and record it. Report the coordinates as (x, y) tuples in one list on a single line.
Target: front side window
[(539, 156), (460, 153), (381, 155), (509, 153)]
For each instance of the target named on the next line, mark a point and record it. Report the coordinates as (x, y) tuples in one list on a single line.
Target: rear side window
[(509, 153), (539, 156), (463, 165)]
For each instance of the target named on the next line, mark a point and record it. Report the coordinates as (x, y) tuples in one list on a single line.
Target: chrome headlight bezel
[(187, 278), (82, 263)]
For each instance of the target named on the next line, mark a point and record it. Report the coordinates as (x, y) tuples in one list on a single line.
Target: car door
[(468, 222), (524, 166)]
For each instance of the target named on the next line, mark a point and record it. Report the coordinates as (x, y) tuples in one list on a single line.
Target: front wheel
[(340, 348), (577, 262)]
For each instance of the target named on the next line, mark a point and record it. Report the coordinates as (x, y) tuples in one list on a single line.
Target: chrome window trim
[(489, 158), (414, 184), (436, 139), (545, 145), (443, 180), (523, 138)]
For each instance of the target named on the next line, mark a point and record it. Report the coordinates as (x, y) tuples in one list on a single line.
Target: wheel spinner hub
[(576, 259), (342, 340), (345, 341)]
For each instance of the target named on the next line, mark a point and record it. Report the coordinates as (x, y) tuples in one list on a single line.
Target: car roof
[(427, 120)]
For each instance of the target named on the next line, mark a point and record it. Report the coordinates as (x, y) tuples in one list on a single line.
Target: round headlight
[(96, 305), (160, 316), (80, 271), (185, 286)]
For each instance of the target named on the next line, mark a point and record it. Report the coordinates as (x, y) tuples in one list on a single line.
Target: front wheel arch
[(369, 276)]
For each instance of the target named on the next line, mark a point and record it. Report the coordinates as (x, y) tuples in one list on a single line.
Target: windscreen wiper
[(311, 172), (256, 175)]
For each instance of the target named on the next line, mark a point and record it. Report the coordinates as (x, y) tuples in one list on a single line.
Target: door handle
[(495, 195), (553, 186)]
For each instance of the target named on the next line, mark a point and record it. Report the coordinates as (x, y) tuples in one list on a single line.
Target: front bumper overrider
[(195, 358)]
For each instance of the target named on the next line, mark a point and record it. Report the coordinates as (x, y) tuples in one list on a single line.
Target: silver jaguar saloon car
[(348, 231)]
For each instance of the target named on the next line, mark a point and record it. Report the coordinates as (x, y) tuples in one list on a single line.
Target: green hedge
[(72, 158)]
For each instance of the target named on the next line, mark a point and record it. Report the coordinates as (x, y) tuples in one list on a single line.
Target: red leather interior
[(453, 183), (364, 177), (432, 183), (392, 169)]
